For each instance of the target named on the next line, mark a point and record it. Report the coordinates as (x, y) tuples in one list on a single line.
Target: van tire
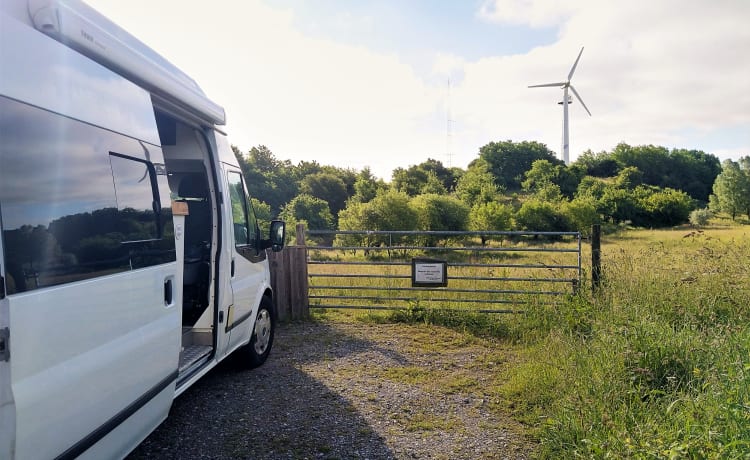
[(256, 351)]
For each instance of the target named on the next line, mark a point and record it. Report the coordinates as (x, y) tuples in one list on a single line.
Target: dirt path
[(348, 390)]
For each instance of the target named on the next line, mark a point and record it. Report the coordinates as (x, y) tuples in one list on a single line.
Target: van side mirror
[(277, 235)]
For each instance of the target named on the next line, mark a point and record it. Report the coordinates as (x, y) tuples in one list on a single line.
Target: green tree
[(508, 161), (433, 185), (667, 207), (415, 178), (540, 216), (391, 211), (732, 189), (581, 214), (620, 205), (310, 210), (492, 216), (440, 212), (597, 164), (477, 185), (268, 179), (263, 213), (366, 186), (700, 217), (328, 187), (629, 178)]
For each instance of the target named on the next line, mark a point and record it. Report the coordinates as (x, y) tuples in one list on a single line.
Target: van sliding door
[(90, 276), (7, 409)]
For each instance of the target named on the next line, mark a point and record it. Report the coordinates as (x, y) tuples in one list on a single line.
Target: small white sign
[(429, 273)]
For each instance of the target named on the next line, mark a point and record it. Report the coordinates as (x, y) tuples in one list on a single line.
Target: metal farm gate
[(489, 272)]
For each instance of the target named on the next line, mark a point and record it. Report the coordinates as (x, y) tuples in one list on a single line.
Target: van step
[(191, 354)]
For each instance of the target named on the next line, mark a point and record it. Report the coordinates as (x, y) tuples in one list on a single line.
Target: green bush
[(700, 217)]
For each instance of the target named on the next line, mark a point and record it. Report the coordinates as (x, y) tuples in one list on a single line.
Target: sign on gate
[(429, 273)]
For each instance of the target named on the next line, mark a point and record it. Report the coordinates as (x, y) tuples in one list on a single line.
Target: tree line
[(509, 186)]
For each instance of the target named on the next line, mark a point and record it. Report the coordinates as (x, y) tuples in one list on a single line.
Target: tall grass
[(657, 365)]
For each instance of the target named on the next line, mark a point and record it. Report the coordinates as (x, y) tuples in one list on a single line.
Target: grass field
[(654, 365)]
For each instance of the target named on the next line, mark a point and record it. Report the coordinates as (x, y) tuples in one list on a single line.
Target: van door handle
[(168, 292), (231, 270)]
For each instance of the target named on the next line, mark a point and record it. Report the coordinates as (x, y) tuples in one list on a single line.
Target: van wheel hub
[(262, 331)]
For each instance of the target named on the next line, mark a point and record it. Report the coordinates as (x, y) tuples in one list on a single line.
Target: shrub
[(700, 217), (540, 216)]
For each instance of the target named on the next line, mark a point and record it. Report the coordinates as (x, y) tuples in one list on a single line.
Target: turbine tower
[(565, 85)]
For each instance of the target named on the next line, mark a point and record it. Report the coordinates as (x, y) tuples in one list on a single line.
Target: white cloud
[(650, 72)]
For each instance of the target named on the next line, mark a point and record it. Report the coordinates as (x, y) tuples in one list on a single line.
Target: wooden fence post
[(289, 279), (596, 257)]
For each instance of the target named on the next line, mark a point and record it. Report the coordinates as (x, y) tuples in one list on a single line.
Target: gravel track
[(340, 390)]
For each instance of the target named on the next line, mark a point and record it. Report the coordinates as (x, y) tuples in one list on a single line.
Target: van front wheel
[(256, 352)]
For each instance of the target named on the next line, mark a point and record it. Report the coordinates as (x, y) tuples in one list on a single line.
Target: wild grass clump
[(655, 366), (478, 324)]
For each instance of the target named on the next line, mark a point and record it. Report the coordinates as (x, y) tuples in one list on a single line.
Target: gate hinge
[(5, 344)]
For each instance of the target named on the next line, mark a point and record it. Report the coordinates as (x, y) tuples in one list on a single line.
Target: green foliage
[(267, 178), (413, 180), (508, 161), (490, 216), (389, 210), (540, 216), (581, 214), (328, 187), (433, 185), (597, 164), (666, 207), (263, 214), (440, 212), (664, 372), (691, 171), (366, 186), (700, 217), (544, 174), (307, 208), (732, 190), (591, 187), (478, 324), (477, 185), (629, 178)]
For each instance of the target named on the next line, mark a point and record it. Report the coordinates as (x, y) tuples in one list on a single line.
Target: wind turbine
[(565, 85)]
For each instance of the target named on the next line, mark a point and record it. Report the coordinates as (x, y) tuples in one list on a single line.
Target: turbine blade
[(579, 99), (549, 84), (573, 69)]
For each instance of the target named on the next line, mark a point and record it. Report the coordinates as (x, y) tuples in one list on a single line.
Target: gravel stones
[(341, 390)]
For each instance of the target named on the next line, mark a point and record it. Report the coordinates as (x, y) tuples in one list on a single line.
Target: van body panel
[(72, 85), (79, 337), (7, 403), (83, 28), (113, 306)]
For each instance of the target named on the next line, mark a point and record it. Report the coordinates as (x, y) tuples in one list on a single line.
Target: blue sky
[(416, 29), (364, 83)]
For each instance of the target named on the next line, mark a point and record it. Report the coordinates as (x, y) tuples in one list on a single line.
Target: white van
[(131, 262)]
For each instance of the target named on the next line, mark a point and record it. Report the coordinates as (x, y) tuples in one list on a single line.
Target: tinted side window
[(134, 193), (242, 233), (245, 225), (71, 209)]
